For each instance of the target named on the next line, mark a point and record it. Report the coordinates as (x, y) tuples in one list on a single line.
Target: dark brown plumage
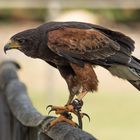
[(63, 43), (74, 47)]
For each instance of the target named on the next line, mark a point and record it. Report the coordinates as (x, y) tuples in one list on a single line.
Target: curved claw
[(84, 114), (51, 111), (49, 106)]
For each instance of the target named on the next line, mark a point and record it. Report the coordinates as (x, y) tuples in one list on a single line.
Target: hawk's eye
[(21, 40)]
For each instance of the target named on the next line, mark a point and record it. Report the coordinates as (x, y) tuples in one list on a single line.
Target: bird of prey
[(75, 48)]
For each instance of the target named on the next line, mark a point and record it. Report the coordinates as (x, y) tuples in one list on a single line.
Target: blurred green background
[(115, 108)]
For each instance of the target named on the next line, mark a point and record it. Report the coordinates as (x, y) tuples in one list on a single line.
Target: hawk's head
[(26, 41)]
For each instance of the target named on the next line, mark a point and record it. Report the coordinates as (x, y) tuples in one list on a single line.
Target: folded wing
[(82, 44)]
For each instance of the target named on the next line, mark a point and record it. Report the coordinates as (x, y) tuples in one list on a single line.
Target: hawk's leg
[(71, 79), (71, 97), (64, 117), (76, 77), (65, 113), (74, 87), (88, 79)]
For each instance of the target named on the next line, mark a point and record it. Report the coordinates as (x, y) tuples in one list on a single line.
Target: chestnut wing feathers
[(124, 40), (87, 45), (81, 44)]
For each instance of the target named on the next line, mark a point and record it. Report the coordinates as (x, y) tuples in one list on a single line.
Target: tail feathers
[(136, 84), (132, 75), (134, 63), (135, 68)]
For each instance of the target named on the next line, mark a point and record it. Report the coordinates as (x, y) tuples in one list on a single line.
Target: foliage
[(40, 14), (14, 15)]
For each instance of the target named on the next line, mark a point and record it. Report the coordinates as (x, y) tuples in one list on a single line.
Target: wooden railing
[(19, 120)]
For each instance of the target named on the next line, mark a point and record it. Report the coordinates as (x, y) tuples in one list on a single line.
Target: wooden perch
[(21, 108)]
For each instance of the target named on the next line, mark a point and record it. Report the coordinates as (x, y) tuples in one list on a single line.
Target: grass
[(113, 115)]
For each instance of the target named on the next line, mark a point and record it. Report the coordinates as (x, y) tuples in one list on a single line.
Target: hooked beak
[(11, 45)]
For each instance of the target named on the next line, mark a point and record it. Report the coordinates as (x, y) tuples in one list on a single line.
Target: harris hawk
[(74, 48)]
